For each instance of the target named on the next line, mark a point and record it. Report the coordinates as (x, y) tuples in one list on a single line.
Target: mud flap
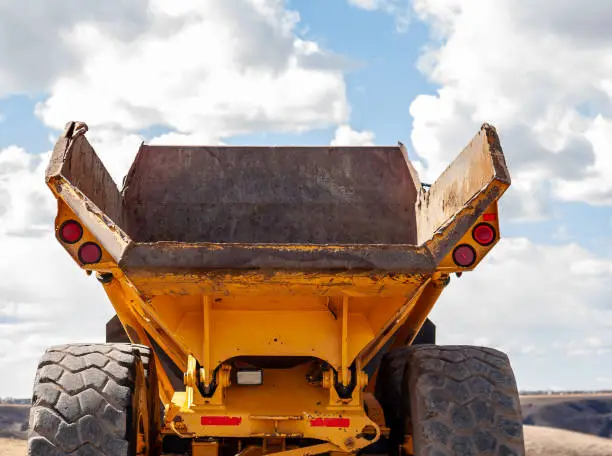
[(115, 332), (427, 335)]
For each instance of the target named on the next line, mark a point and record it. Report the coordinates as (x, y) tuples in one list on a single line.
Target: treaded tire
[(453, 400), (88, 400), (462, 400), (389, 390)]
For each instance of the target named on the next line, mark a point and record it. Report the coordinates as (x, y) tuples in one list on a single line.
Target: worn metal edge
[(171, 256)]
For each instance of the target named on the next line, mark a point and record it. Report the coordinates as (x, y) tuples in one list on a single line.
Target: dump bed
[(273, 254), (277, 208), (271, 195)]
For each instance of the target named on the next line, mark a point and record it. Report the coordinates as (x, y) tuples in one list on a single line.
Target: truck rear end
[(259, 292)]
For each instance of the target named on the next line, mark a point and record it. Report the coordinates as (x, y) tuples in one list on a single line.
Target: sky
[(427, 73)]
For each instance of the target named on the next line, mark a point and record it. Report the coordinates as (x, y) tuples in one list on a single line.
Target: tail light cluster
[(483, 234), (71, 232)]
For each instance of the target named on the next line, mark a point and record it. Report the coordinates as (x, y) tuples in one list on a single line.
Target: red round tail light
[(90, 253), (70, 232), (464, 255), (484, 234)]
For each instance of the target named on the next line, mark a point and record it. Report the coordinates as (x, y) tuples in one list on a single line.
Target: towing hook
[(441, 280), (104, 277)]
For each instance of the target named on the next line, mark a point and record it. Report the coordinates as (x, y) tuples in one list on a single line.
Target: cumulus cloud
[(213, 68), (540, 304), (25, 206), (36, 48), (540, 72), (370, 5), (346, 136), (44, 296), (400, 9)]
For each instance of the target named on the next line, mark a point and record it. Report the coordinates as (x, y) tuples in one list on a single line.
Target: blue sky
[(542, 295)]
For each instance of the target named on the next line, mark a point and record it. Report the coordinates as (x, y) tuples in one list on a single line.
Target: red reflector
[(70, 232), (90, 253), (331, 422), (484, 234), (464, 255), (489, 217), (221, 420)]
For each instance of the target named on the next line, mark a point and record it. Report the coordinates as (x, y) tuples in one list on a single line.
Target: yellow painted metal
[(203, 319), (344, 367), (283, 406), (206, 345), (408, 445), (307, 451), (253, 284), (286, 326), (376, 413)]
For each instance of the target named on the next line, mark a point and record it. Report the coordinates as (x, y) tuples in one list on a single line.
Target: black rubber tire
[(155, 405), (389, 390), (88, 400), (456, 400)]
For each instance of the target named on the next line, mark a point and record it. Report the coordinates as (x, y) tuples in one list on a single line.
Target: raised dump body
[(266, 282)]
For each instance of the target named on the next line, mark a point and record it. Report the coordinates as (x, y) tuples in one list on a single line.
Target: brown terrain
[(13, 421), (585, 413), (555, 425), (13, 429)]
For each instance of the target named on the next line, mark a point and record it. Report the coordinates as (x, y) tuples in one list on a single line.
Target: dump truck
[(275, 300)]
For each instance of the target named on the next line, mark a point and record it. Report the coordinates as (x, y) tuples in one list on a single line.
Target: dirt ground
[(543, 441), (12, 447), (539, 441), (14, 421), (586, 413)]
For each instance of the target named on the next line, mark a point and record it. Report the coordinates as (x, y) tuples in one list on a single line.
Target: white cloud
[(35, 48), (541, 74), (207, 68), (44, 296), (535, 302), (346, 136), (25, 205), (367, 4), (400, 9)]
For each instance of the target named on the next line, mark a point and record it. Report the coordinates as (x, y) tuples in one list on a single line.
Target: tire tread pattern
[(461, 400), (82, 399), (389, 389)]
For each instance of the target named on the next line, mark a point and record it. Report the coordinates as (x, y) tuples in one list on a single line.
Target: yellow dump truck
[(274, 300)]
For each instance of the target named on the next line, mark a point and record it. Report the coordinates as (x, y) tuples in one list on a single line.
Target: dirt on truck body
[(275, 300)]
